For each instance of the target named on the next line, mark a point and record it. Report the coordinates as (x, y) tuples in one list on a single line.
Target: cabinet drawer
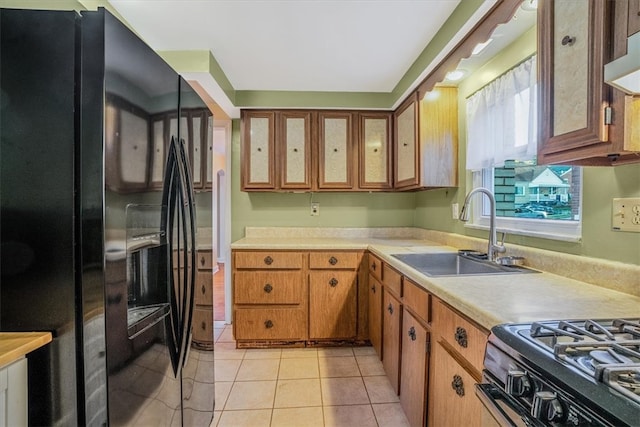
[(204, 288), (466, 338), (269, 287), (375, 267), (334, 260), (269, 260), (204, 259), (270, 324), (417, 299), (392, 280), (202, 327)]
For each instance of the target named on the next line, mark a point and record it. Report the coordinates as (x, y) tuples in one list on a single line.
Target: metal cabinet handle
[(268, 260), (203, 326), (461, 336), (333, 261), (568, 40), (412, 333), (268, 288), (295, 150), (373, 288), (458, 385), (373, 266), (390, 308), (202, 261), (204, 290), (259, 149), (333, 282), (335, 150), (268, 324)]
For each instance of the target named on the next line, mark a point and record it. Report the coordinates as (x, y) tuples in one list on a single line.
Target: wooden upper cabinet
[(258, 150), (335, 146), (294, 147), (581, 118), (406, 173), (374, 133), (439, 138)]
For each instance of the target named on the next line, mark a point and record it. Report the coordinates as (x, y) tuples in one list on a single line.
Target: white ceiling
[(303, 45)]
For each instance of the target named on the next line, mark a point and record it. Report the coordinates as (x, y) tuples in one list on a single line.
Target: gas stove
[(565, 373)]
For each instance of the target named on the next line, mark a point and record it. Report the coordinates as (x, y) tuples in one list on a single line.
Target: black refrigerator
[(98, 222)]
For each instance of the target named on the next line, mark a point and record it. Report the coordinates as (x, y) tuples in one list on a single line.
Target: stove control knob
[(547, 407), (518, 384)]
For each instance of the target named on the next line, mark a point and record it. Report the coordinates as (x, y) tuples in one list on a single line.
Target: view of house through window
[(525, 190)]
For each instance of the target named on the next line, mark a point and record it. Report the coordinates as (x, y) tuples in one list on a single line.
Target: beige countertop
[(487, 299), (14, 345)]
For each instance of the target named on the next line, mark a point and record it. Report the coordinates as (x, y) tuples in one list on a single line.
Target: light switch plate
[(625, 214)]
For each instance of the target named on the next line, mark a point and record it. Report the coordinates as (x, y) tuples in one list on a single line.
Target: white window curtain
[(501, 119)]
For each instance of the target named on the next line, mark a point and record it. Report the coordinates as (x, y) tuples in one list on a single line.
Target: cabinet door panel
[(158, 159), (375, 314), (295, 143), (197, 134), (258, 145), (413, 380), (406, 147), (336, 158), (332, 304), (375, 157), (391, 339), (573, 95), (454, 401)]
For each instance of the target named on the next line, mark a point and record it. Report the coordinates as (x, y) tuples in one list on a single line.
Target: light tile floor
[(324, 387)]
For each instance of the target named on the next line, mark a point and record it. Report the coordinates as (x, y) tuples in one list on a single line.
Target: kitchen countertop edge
[(15, 345)]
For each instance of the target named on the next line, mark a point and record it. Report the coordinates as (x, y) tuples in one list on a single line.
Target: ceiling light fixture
[(480, 47), (455, 75), (624, 72)]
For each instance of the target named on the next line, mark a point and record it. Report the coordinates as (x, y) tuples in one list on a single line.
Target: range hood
[(624, 72)]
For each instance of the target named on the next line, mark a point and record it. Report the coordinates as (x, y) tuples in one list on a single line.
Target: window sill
[(551, 230)]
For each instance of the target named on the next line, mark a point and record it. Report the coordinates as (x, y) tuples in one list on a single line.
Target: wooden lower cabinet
[(452, 398), (414, 369), (332, 304), (391, 337), (202, 326), (375, 315), (271, 324), (298, 298)]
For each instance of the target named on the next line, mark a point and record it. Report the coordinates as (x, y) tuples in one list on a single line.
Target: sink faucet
[(493, 247)]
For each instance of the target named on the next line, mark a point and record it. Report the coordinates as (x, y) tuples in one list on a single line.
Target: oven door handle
[(489, 394)]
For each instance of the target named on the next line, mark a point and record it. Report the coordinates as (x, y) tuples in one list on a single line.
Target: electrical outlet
[(625, 214), (455, 213), (315, 209)]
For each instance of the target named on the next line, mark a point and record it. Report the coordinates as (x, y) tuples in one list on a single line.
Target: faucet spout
[(493, 247)]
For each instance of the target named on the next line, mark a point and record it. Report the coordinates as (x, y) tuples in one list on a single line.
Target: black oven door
[(502, 409)]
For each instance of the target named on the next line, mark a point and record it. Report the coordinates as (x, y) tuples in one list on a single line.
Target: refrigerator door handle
[(189, 217)]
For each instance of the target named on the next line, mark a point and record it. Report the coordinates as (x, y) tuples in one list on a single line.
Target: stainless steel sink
[(453, 264)]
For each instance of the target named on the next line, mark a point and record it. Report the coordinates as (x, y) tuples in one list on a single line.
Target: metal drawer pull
[(390, 308), (568, 40), (458, 385), (373, 266), (268, 324), (202, 261), (268, 260), (333, 261), (268, 288), (204, 326), (333, 282), (373, 288), (461, 336), (204, 290), (412, 333)]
